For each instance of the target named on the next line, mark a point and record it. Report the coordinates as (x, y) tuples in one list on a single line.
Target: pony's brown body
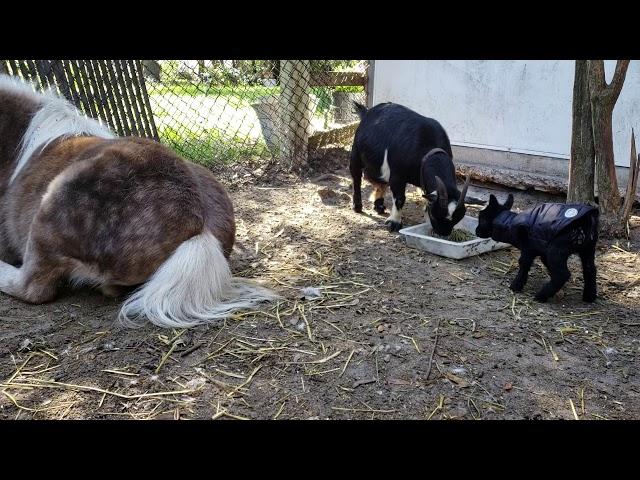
[(107, 212)]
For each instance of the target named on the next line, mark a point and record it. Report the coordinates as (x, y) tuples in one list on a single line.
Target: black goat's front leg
[(526, 260), (355, 167), (556, 263), (588, 259), (394, 221)]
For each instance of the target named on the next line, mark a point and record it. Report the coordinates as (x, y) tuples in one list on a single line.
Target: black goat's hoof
[(589, 297), (516, 287), (393, 226), (380, 210), (378, 206), (357, 207)]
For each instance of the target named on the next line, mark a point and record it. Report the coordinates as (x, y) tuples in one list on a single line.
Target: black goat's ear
[(509, 203), (431, 197), (493, 201)]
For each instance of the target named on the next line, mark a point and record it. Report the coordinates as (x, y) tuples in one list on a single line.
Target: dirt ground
[(395, 333)]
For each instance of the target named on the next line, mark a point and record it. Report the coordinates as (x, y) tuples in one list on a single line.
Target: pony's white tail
[(193, 286)]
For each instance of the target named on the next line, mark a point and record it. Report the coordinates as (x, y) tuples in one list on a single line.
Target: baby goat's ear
[(509, 203)]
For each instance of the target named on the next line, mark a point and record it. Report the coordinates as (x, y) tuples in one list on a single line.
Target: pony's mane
[(56, 117)]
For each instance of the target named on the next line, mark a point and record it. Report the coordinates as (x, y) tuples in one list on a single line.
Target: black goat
[(393, 146), (553, 231)]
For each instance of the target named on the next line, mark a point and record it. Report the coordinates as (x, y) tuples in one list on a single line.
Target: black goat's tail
[(361, 110)]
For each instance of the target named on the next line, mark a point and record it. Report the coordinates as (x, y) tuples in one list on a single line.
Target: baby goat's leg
[(556, 263), (587, 257), (526, 260)]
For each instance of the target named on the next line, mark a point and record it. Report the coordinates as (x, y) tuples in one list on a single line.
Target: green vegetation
[(459, 235), (212, 147), (246, 94), (237, 84)]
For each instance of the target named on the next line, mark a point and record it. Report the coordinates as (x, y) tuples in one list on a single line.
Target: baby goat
[(553, 231)]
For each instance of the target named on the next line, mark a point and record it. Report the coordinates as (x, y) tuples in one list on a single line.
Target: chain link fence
[(229, 110), (215, 111)]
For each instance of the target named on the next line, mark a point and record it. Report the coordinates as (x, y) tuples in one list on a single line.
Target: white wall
[(515, 105)]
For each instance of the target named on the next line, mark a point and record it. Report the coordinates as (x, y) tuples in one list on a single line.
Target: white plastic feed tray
[(418, 236)]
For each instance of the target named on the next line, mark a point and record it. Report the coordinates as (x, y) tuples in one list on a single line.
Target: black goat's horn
[(442, 192), (463, 194)]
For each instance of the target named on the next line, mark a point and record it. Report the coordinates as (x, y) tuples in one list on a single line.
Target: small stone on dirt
[(26, 344), (310, 293), (329, 196)]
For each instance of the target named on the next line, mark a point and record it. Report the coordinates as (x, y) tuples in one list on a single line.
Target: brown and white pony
[(79, 204)]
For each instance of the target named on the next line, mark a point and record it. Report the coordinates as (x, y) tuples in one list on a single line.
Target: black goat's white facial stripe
[(451, 208)]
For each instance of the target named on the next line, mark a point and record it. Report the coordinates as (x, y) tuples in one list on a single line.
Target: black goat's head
[(488, 214), (444, 214)]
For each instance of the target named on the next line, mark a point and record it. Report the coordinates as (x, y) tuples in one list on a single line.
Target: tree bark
[(151, 68), (603, 100), (295, 110), (632, 185), (582, 162)]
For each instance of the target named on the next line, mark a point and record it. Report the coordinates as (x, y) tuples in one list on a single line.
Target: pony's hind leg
[(112, 291), (36, 281)]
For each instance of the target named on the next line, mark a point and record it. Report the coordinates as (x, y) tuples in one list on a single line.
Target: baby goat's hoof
[(516, 286), (541, 298), (393, 226), (589, 297), (357, 207)]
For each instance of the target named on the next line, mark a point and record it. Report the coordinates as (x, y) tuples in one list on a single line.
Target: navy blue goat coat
[(540, 225)]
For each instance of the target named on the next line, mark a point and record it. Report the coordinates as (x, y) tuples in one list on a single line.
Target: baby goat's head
[(488, 214)]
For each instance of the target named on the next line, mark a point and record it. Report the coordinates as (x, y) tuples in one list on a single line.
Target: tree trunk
[(295, 109), (603, 100), (608, 194), (152, 69), (581, 164), (632, 184)]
